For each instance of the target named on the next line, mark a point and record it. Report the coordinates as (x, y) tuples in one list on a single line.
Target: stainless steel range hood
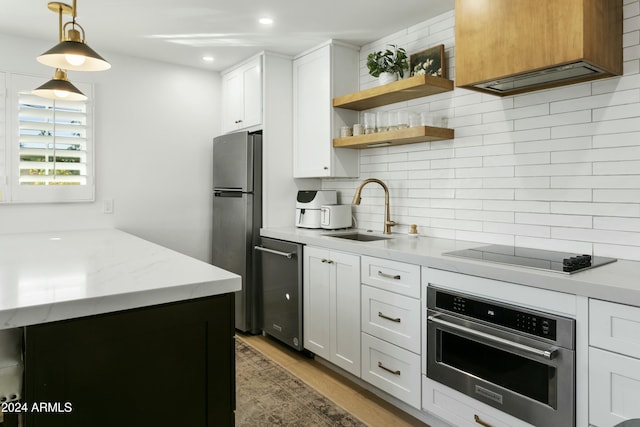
[(542, 78)]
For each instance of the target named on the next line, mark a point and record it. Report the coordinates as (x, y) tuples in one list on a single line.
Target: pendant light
[(72, 53), (60, 88)]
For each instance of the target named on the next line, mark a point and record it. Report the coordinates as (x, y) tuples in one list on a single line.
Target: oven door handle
[(547, 354)]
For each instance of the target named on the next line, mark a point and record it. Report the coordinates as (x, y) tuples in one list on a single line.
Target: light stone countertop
[(53, 276), (617, 282)]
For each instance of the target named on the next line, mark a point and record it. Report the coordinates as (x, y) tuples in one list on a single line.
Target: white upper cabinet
[(318, 76), (242, 96)]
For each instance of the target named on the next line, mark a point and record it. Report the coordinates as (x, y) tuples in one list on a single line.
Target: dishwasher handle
[(273, 251)]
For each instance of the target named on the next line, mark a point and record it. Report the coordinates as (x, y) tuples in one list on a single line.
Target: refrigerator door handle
[(273, 251)]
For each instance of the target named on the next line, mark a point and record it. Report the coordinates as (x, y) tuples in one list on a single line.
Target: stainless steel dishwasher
[(279, 267)]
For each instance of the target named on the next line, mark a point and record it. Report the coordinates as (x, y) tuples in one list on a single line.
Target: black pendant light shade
[(59, 88), (74, 54)]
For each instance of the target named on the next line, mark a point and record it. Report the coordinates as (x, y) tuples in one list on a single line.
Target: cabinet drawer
[(391, 369), (461, 410), (392, 276), (391, 317), (614, 388), (614, 327)]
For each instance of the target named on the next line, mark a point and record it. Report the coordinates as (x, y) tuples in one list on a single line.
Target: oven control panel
[(517, 319)]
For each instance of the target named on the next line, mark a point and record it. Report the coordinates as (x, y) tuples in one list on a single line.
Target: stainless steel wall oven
[(518, 360)]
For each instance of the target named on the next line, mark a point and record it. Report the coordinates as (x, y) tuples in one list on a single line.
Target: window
[(49, 145)]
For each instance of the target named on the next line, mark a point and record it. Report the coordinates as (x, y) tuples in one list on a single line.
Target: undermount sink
[(361, 237)]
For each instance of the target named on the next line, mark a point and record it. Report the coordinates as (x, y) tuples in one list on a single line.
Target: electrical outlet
[(107, 206)]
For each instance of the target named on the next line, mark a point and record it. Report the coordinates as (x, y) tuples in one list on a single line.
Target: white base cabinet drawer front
[(614, 388), (462, 411), (614, 327), (391, 317), (391, 369), (394, 276)]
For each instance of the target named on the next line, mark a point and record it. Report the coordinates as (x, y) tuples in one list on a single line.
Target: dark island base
[(167, 365)]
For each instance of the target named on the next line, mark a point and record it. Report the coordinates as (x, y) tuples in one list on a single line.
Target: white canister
[(345, 131)]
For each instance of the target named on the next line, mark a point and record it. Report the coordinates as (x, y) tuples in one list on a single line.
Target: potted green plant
[(388, 65)]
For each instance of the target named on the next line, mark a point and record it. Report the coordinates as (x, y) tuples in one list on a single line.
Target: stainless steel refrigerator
[(237, 217)]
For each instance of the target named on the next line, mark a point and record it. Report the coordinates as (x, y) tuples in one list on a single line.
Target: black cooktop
[(561, 262)]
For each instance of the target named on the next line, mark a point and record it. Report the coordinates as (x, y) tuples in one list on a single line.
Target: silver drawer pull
[(381, 366), (393, 319), (273, 251), (389, 276)]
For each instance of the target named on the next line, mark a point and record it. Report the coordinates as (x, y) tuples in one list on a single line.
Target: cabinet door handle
[(393, 319), (389, 276), (479, 421), (327, 261), (326, 168), (381, 366), (238, 121)]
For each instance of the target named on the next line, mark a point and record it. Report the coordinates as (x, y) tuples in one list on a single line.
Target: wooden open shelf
[(402, 90), (395, 137)]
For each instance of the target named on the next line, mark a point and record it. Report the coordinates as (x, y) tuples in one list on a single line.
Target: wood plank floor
[(358, 401)]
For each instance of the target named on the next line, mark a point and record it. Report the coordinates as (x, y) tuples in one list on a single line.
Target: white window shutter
[(52, 146)]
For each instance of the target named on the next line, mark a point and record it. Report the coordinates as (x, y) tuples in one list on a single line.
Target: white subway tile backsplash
[(631, 167), (568, 246), (533, 135), (485, 194), (617, 251), (517, 229), (629, 210), (553, 145), (604, 181), (616, 140), (561, 119), (597, 236), (555, 169), (617, 112), (581, 221), (488, 172), (497, 239), (517, 206), (621, 224), (616, 195), (583, 195), (493, 216), (596, 101), (595, 155), (518, 159), (516, 182)]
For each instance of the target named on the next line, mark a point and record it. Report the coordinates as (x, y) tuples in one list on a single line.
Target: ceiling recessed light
[(207, 58), (265, 21)]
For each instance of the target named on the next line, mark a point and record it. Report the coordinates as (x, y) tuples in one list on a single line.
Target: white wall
[(154, 124), (556, 169)]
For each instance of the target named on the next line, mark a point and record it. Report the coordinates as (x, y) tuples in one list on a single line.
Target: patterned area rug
[(268, 395)]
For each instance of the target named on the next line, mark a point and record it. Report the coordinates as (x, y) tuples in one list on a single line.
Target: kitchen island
[(117, 331)]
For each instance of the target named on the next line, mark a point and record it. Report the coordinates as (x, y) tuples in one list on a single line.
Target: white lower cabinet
[(391, 317), (331, 306), (391, 325), (462, 411), (391, 369), (614, 363)]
